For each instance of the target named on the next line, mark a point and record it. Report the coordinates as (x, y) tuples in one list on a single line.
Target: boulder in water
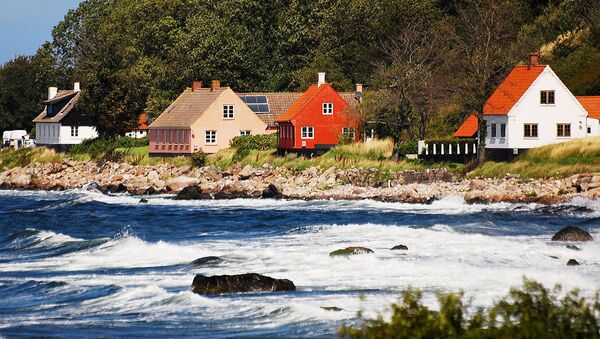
[(143, 201), (192, 193), (400, 247), (350, 251), (239, 283), (207, 261), (272, 191), (572, 233), (93, 186), (573, 247), (572, 262), (332, 308)]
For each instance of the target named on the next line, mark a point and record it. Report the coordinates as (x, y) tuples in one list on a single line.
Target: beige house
[(202, 119)]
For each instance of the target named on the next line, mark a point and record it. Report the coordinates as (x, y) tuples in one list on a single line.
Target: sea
[(84, 264)]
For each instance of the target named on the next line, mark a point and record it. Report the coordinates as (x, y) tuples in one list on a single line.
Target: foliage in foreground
[(528, 312), (557, 160)]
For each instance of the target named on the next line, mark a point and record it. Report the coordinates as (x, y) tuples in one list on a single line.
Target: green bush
[(261, 142), (128, 142), (529, 312), (198, 158), (407, 147)]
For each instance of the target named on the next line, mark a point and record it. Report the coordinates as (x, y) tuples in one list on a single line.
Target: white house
[(62, 124), (532, 108)]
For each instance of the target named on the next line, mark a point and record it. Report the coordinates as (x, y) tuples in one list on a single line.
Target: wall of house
[(47, 133), (529, 110), (594, 126), (84, 132), (327, 128), (170, 141), (212, 120), (498, 141)]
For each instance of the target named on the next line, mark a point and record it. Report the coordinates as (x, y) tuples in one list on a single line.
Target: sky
[(26, 24)]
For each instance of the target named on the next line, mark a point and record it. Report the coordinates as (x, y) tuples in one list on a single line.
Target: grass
[(556, 161), (26, 156)]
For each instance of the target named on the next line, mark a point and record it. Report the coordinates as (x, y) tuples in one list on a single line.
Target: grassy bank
[(557, 161)]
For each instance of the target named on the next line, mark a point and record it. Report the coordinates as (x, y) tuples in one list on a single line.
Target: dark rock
[(120, 188), (192, 193), (207, 261), (400, 247), (272, 191), (573, 247), (150, 191), (231, 191), (553, 256), (332, 308), (350, 251), (93, 186), (572, 233), (249, 282), (143, 201), (572, 262)]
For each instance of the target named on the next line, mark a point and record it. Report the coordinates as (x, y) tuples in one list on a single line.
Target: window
[(502, 130), (210, 137), (563, 130), (547, 97), (308, 132), (493, 130), (348, 132), (530, 130), (291, 132), (327, 108), (589, 130), (245, 132), (227, 111), (164, 133), (74, 131)]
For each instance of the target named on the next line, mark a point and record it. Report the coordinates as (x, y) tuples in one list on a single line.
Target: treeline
[(427, 63)]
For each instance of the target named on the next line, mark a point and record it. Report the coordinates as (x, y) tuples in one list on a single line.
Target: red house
[(317, 120)]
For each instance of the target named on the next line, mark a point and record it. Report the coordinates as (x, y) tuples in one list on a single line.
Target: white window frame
[(563, 125), (327, 108), (545, 97), (228, 112), (209, 135), (245, 132), (350, 131), (74, 131), (308, 132)]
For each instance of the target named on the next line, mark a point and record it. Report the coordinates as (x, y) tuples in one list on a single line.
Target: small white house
[(62, 124), (532, 108)]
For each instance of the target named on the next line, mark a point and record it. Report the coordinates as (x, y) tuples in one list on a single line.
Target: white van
[(14, 138)]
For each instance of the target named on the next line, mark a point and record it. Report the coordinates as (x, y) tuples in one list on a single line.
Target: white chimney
[(76, 87), (321, 78), (359, 88), (52, 91)]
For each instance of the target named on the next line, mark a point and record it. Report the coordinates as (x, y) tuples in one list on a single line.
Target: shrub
[(407, 147), (529, 312), (198, 158), (128, 142), (261, 142)]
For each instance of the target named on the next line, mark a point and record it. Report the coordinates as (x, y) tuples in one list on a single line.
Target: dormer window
[(547, 97), (49, 109), (327, 108)]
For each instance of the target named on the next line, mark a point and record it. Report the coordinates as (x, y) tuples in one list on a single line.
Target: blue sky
[(26, 24)]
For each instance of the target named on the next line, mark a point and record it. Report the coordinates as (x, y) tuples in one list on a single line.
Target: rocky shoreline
[(312, 183)]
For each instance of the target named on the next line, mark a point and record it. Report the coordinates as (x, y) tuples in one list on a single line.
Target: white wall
[(529, 110), (84, 132), (498, 141), (47, 133)]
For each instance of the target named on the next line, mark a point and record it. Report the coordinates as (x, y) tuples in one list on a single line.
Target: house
[(317, 120), (142, 129), (269, 106), (62, 124), (532, 108), (469, 127), (202, 119)]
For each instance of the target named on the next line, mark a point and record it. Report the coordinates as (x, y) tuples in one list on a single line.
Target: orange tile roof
[(591, 105), (142, 122), (299, 104), (469, 128), (512, 89), (279, 102)]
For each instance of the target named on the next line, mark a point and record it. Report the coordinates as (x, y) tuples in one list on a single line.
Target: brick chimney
[(215, 84), (534, 59), (196, 85)]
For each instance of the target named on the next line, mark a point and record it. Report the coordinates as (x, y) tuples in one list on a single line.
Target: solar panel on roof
[(257, 103)]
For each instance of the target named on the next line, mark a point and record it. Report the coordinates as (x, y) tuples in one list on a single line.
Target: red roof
[(512, 89), (299, 104), (469, 128), (591, 105), (143, 121)]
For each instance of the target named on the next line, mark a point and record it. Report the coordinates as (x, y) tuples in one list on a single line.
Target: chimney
[(196, 85), (52, 91), (76, 87), (215, 84), (321, 76), (534, 59), (359, 92)]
